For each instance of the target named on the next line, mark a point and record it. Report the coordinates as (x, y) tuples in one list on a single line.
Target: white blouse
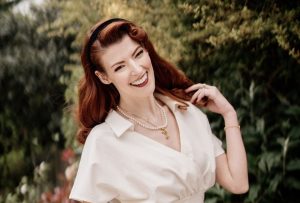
[(122, 165)]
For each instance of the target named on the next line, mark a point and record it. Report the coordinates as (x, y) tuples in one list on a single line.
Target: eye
[(119, 67), (139, 54)]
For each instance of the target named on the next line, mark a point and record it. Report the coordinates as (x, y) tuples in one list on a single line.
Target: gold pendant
[(164, 132)]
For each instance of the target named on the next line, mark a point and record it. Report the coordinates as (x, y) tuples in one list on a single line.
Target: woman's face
[(128, 66)]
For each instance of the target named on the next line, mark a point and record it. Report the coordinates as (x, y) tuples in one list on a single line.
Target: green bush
[(32, 97), (251, 52)]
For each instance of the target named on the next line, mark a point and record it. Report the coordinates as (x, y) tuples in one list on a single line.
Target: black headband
[(95, 35)]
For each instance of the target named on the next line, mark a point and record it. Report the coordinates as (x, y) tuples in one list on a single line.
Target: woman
[(144, 138)]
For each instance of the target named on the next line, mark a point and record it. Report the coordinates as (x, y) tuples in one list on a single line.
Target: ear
[(102, 77)]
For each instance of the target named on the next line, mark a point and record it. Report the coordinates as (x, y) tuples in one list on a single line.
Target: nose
[(136, 69)]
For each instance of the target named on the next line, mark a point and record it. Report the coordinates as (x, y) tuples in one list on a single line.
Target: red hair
[(97, 99)]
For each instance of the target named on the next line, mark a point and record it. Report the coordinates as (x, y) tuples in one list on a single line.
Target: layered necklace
[(162, 128)]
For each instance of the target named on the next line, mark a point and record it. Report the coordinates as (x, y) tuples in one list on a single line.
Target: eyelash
[(119, 67), (137, 55)]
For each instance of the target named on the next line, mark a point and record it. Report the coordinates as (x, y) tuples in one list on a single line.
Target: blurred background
[(250, 50)]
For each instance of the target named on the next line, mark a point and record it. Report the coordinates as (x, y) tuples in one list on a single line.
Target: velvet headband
[(95, 35)]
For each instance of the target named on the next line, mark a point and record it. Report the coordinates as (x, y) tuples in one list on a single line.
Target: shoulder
[(97, 172), (100, 139), (196, 111), (194, 116), (99, 132)]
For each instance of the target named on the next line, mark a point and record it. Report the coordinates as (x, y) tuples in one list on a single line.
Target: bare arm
[(231, 169)]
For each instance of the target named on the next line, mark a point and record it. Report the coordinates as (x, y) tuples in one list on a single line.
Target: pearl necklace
[(162, 127)]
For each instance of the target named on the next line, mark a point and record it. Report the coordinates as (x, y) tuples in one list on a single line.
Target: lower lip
[(142, 84)]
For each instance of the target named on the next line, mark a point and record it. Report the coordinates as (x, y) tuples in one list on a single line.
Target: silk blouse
[(120, 165)]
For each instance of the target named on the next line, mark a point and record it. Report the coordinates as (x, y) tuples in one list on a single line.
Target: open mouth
[(141, 82)]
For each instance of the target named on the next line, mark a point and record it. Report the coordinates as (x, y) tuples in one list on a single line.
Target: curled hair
[(97, 99)]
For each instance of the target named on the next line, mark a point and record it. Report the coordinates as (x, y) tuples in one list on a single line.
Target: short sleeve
[(218, 149), (95, 175), (216, 142)]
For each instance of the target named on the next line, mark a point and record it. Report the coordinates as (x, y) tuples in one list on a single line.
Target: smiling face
[(128, 67)]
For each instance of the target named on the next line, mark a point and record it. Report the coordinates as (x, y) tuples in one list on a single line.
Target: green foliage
[(6, 4), (31, 99), (251, 52)]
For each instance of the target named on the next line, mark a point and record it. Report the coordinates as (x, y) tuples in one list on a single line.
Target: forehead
[(118, 51)]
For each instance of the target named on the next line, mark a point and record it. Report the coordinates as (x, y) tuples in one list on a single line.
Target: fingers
[(195, 87), (195, 96), (199, 95), (202, 91)]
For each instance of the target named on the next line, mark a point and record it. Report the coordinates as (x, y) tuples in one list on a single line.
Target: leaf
[(274, 182), (268, 160), (253, 192), (211, 200), (293, 110), (293, 183), (293, 165)]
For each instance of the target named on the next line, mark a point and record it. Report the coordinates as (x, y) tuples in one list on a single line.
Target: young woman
[(144, 138)]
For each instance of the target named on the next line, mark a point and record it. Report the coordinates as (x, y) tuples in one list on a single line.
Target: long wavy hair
[(97, 99)]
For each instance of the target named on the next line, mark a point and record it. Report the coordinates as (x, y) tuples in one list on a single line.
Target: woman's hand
[(216, 102)]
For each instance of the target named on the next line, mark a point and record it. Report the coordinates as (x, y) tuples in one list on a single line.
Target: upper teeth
[(140, 81)]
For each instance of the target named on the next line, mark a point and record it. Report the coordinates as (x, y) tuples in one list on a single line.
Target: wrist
[(230, 113), (230, 118), (232, 126)]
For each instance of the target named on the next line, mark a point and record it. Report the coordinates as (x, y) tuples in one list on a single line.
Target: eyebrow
[(135, 50)]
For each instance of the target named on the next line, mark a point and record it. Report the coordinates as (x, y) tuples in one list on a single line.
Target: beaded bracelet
[(232, 126)]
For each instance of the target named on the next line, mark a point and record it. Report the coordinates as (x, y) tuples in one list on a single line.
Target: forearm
[(236, 154)]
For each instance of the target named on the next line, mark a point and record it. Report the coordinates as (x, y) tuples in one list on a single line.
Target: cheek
[(147, 61), (121, 79), (149, 64)]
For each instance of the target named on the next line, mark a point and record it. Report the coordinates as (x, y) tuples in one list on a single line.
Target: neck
[(142, 107)]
